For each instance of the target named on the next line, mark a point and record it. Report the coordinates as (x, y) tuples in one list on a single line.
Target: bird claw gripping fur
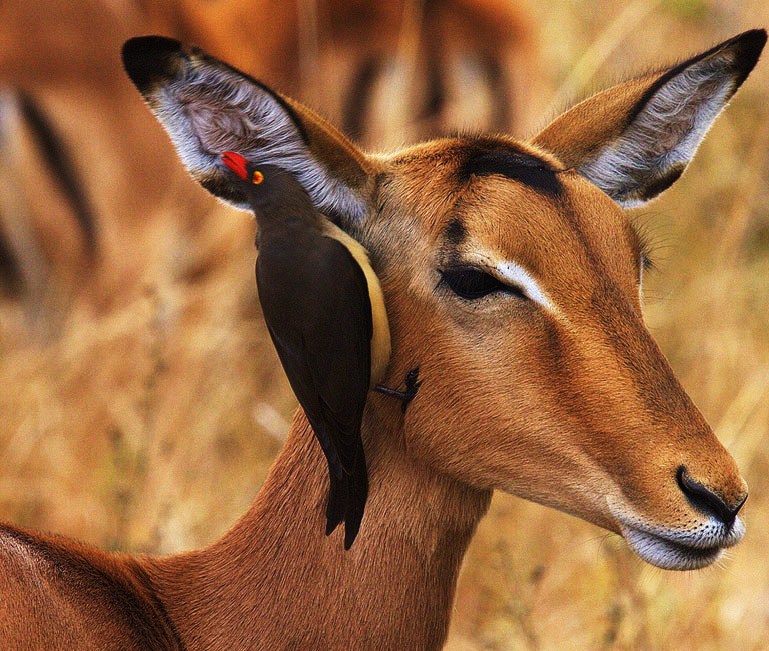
[(412, 382)]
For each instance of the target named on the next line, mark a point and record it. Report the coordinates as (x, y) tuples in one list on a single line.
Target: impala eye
[(471, 284)]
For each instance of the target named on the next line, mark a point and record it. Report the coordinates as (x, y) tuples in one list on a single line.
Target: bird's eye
[(257, 177), (470, 283)]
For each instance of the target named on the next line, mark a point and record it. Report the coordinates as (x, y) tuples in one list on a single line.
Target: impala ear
[(634, 140), (208, 107)]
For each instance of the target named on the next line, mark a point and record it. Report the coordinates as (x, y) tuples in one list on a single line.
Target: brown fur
[(44, 263), (125, 169), (574, 407), (335, 55)]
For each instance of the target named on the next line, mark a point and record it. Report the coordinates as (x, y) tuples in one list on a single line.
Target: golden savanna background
[(141, 402)]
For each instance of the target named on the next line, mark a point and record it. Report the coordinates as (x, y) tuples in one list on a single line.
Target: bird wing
[(329, 369), (294, 362)]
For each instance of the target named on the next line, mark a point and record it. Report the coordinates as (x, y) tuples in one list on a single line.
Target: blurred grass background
[(142, 404)]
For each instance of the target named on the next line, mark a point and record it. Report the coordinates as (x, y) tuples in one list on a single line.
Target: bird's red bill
[(236, 163)]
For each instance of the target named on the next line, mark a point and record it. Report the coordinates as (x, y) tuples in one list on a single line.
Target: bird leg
[(412, 386)]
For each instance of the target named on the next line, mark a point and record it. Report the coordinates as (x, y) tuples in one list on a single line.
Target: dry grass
[(149, 426)]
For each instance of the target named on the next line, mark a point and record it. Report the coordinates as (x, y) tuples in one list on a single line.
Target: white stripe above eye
[(514, 274)]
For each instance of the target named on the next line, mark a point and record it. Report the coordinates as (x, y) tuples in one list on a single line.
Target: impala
[(388, 72), (73, 150), (511, 276), (48, 241)]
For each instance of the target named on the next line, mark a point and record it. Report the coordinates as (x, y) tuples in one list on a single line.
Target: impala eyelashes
[(471, 284)]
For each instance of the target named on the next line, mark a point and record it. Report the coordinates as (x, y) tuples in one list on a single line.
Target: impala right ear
[(208, 107), (634, 140)]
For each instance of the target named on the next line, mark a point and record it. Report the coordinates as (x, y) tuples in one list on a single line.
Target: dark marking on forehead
[(455, 232), (488, 159)]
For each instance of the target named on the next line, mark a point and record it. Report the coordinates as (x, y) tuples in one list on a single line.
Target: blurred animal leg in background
[(47, 225), (390, 72)]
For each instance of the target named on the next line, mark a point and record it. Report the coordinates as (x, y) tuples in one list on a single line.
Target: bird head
[(245, 170), (263, 184), (264, 175)]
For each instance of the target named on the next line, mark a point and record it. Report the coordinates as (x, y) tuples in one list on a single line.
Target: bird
[(325, 312)]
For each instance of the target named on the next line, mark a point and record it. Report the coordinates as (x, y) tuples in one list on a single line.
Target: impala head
[(512, 277)]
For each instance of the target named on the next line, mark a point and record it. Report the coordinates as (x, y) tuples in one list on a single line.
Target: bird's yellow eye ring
[(257, 178)]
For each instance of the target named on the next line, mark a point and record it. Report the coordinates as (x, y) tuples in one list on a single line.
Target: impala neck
[(274, 581)]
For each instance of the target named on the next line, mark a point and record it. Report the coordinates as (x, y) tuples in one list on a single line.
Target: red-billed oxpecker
[(325, 312)]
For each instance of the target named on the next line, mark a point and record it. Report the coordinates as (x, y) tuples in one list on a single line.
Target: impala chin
[(676, 548)]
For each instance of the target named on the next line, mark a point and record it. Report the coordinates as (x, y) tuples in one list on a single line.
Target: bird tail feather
[(347, 499), (337, 501)]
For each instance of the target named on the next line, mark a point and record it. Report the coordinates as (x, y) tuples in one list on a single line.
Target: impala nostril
[(705, 500)]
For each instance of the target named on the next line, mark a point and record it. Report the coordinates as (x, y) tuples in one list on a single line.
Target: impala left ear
[(208, 107), (635, 139)]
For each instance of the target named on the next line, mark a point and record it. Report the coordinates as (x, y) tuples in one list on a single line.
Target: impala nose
[(707, 501)]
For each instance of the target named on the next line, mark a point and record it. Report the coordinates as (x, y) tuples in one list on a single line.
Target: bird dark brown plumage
[(321, 311)]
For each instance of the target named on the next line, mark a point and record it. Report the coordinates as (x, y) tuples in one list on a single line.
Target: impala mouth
[(677, 549)]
